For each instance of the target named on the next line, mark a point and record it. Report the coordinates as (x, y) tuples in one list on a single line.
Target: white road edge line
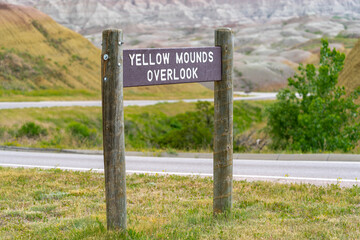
[(339, 180)]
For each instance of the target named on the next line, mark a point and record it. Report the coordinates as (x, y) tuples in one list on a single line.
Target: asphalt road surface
[(12, 105), (315, 172)]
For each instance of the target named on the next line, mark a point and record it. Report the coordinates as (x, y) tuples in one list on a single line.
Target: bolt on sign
[(145, 67)]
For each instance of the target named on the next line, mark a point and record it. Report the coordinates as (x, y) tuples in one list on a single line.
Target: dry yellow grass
[(350, 75), (27, 30), (55, 204)]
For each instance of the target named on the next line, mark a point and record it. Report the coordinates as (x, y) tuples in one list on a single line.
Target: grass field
[(164, 127), (55, 204), (48, 95), (189, 91), (53, 125), (147, 128)]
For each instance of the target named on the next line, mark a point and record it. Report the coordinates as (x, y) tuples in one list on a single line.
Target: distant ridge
[(88, 17)]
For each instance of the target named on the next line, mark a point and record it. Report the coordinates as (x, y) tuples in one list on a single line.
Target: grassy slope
[(53, 56), (350, 75), (55, 204), (39, 55), (249, 126), (58, 123)]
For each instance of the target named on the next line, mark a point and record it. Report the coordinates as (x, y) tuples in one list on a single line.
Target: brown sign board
[(157, 66)]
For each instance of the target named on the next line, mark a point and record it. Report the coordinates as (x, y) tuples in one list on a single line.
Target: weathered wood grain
[(113, 128), (223, 125)]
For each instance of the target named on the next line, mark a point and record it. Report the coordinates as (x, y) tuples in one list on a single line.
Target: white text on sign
[(171, 74)]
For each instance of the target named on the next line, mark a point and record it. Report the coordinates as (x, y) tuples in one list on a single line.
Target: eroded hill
[(271, 37), (37, 53)]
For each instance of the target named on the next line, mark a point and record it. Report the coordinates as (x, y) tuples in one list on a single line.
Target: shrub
[(83, 134), (314, 114), (80, 130), (186, 131), (31, 130)]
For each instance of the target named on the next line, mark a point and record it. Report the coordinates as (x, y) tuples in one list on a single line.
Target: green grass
[(82, 94), (168, 92), (169, 109), (158, 128), (47, 95), (55, 204), (161, 127), (65, 126)]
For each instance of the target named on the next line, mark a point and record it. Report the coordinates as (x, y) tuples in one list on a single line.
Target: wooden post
[(113, 128), (223, 124)]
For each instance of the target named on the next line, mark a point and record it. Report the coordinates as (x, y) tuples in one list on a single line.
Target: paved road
[(12, 105), (316, 172)]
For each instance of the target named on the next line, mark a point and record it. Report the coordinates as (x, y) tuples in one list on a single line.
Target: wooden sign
[(143, 67), (151, 66)]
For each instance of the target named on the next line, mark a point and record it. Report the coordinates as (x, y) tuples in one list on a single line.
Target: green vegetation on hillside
[(47, 95), (37, 54), (314, 114), (166, 126), (187, 131), (29, 76), (55, 204)]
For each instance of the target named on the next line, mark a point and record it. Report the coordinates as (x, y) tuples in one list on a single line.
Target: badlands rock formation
[(89, 16), (272, 36)]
